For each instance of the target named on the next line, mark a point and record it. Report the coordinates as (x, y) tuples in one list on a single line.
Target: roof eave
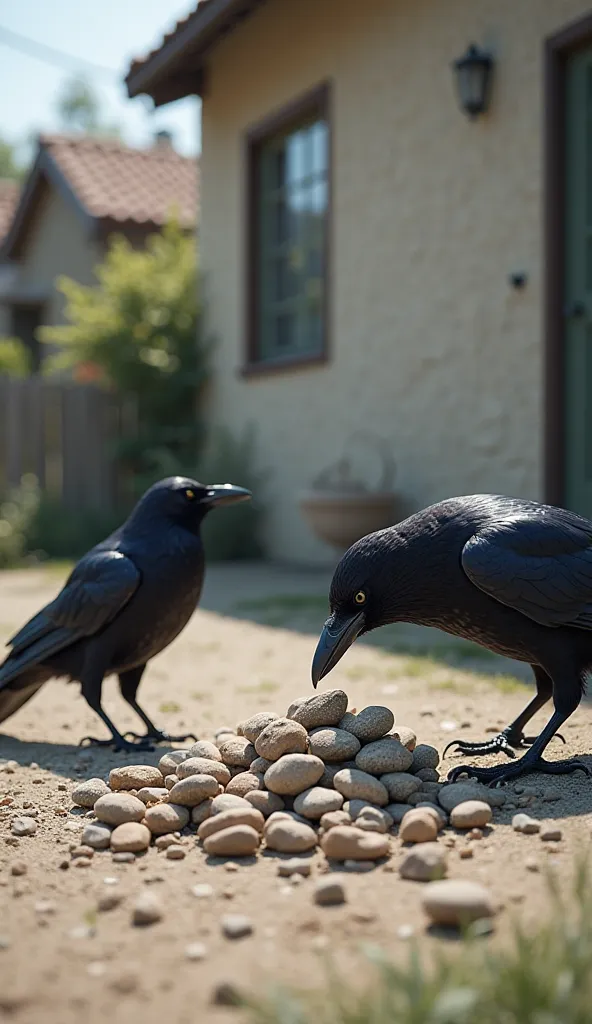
[(176, 70)]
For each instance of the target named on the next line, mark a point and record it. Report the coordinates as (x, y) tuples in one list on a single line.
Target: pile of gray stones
[(322, 777)]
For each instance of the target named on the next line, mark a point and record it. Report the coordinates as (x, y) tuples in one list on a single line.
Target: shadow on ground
[(70, 760)]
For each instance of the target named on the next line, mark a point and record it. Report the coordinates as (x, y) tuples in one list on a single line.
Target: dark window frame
[(317, 100)]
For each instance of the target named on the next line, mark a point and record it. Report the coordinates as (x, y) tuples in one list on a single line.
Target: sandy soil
[(61, 961)]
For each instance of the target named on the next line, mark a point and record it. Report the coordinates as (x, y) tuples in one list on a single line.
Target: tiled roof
[(9, 193), (113, 181), (193, 16)]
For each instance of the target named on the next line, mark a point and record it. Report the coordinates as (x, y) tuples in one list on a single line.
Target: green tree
[(15, 358), (140, 330), (9, 166), (79, 109)]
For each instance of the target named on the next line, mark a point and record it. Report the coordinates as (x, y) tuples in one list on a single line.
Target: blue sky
[(108, 33)]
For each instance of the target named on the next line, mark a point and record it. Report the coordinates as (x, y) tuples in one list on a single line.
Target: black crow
[(124, 602), (514, 576)]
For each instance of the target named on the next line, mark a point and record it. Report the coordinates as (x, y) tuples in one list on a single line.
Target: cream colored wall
[(431, 348), (58, 244)]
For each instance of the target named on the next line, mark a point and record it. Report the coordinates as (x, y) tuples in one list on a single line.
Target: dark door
[(578, 284), (25, 321)]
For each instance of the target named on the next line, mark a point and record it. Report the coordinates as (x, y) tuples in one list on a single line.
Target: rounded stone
[(432, 788), (234, 816), (425, 863), (524, 823), (398, 811), (345, 842), (456, 902), (86, 794), (293, 773), (175, 852), (24, 826), (265, 802), (191, 791), (384, 756), (131, 837), (427, 774), (333, 818), (202, 812), (245, 783), (424, 756), (438, 814), (152, 794), (326, 779), (321, 709), (117, 808), (281, 736), (315, 802), (134, 776), (289, 836), (260, 765), (252, 727), (164, 818), (147, 909), (333, 744), (235, 841), (373, 819), (400, 785), (470, 814), (329, 892), (354, 784), (458, 792), (170, 781), (98, 837), (169, 763), (237, 751), (407, 737), (204, 748), (418, 826), (224, 801), (204, 766), (371, 723)]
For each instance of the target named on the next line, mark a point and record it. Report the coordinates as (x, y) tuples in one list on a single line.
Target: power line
[(50, 55)]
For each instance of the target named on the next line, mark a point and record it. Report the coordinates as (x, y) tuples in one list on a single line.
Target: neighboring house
[(378, 260), (9, 194), (79, 191)]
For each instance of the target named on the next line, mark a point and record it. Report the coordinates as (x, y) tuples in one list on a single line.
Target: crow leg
[(128, 684), (512, 735), (566, 701), (92, 686)]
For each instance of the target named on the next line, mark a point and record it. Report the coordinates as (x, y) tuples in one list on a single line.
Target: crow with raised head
[(513, 576), (123, 603)]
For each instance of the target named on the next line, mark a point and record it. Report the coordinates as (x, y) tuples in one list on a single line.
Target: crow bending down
[(124, 602), (514, 576)]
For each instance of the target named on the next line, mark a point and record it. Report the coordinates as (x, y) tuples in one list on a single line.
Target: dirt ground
[(249, 649)]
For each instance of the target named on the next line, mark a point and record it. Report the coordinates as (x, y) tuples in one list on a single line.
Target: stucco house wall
[(430, 346)]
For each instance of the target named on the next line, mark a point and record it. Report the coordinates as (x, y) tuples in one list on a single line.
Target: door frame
[(558, 48)]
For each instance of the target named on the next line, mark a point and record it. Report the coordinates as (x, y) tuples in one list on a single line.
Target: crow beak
[(339, 633), (225, 494)]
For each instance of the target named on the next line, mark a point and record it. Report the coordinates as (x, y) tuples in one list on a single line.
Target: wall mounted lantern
[(473, 74)]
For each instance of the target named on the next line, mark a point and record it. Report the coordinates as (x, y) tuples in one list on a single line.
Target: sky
[(108, 33)]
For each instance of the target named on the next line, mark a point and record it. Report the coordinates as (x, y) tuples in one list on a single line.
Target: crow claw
[(497, 775), (115, 744)]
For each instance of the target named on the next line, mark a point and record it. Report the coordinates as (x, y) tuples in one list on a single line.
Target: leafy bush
[(139, 330), (56, 531), (540, 977), (234, 533), (17, 514), (15, 358)]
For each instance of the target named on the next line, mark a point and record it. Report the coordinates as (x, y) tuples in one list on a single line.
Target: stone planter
[(339, 519)]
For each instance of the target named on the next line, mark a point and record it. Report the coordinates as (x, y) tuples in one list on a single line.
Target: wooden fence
[(64, 433)]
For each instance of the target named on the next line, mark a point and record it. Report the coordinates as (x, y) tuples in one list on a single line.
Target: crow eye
[(360, 597), (190, 495)]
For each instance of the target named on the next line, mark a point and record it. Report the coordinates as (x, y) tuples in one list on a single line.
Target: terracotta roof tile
[(180, 25), (114, 181), (9, 194)]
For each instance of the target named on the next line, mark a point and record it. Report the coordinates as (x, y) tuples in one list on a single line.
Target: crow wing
[(539, 564), (99, 587)]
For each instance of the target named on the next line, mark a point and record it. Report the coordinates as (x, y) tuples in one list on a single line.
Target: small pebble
[(124, 857), (82, 862), (147, 909), (457, 902), (329, 892), (175, 852), (551, 835), (18, 867), (359, 867), (109, 901), (470, 814), (236, 926), (524, 823), (294, 866), (551, 794), (424, 863), (405, 931), (195, 951), (23, 826), (532, 864), (466, 852), (225, 993)]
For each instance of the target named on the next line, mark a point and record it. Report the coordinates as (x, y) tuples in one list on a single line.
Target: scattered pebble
[(345, 842), (524, 823), (329, 892), (196, 951), (405, 931), (147, 909), (202, 891), (418, 826), (18, 867), (289, 836), (532, 864), (86, 794), (235, 841), (109, 901), (458, 792), (294, 866), (236, 926), (551, 794), (134, 776), (125, 857), (131, 837), (470, 814), (118, 808), (23, 826), (225, 993), (457, 902), (551, 835), (424, 863), (175, 852)]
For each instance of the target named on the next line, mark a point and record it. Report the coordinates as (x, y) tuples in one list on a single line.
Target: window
[(289, 182)]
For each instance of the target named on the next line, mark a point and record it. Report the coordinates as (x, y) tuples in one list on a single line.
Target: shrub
[(236, 532), (15, 358), (17, 514)]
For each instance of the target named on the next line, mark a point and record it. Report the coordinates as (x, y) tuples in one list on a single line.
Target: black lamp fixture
[(473, 72)]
